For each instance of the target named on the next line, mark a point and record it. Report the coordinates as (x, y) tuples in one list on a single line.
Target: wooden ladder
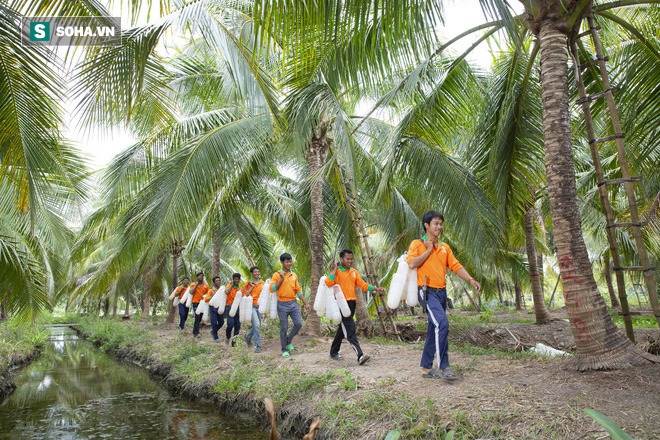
[(384, 315), (627, 180)]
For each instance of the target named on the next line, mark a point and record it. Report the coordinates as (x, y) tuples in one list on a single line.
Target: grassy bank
[(504, 393), (18, 346), (238, 380)]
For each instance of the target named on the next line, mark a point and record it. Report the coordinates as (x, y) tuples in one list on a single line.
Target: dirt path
[(524, 397)]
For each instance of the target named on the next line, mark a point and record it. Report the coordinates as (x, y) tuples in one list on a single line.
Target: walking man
[(432, 259), (285, 283), (198, 290), (183, 310), (233, 322), (253, 288), (217, 319), (348, 279)]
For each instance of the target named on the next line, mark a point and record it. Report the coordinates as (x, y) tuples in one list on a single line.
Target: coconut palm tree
[(555, 24), (42, 177)]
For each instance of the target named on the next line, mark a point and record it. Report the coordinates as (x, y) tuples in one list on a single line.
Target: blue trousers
[(233, 323), (436, 344), (217, 321), (256, 327), (183, 315), (284, 310), (198, 318)]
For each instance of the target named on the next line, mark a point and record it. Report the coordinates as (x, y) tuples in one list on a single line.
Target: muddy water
[(75, 391)]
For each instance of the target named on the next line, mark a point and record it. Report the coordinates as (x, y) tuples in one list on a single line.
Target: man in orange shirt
[(253, 288), (233, 322), (348, 278), (285, 283), (198, 290), (432, 259), (183, 310), (217, 316)]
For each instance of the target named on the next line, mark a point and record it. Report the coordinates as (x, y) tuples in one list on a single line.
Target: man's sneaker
[(248, 341), (216, 340), (257, 350), (285, 353), (227, 341), (364, 358), (289, 348), (336, 357)]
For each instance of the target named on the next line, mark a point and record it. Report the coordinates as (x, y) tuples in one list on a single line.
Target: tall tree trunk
[(106, 305), (127, 311), (115, 300), (176, 253), (519, 295), (3, 310), (540, 311), (148, 280), (498, 281), (215, 258), (600, 345), (610, 285), (315, 159)]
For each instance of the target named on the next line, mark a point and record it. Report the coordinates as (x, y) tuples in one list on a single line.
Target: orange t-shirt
[(347, 280), (289, 288), (198, 292), (256, 291), (232, 293), (180, 291), (210, 294), (435, 266)]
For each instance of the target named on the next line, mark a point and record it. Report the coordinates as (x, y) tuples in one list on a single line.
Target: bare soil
[(524, 397)]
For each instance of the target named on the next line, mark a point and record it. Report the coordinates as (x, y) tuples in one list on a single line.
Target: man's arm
[(466, 276), (417, 261)]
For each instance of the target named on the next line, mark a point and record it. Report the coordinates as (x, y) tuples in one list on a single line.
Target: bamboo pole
[(625, 172), (365, 250)]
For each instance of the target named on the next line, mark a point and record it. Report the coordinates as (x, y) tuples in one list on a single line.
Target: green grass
[(637, 321), (18, 340)]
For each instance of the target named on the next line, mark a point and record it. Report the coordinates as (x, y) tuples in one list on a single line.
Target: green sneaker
[(289, 348), (285, 353)]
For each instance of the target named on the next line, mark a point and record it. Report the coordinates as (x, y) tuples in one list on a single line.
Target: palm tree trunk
[(610, 285), (600, 345), (498, 281), (315, 158), (516, 287), (176, 253), (115, 300), (127, 311), (146, 293), (540, 311)]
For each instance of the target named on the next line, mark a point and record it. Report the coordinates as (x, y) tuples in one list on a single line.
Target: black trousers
[(346, 330), (198, 319)]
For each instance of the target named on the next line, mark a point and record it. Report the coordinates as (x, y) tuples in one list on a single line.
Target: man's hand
[(379, 290), (429, 245), (307, 308), (474, 283)]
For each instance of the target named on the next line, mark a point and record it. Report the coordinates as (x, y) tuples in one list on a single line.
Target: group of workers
[(429, 256)]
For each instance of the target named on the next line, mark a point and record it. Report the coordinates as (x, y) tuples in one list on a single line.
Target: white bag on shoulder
[(236, 304)]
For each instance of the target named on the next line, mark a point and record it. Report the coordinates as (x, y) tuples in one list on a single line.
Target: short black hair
[(215, 278), (236, 275), (200, 273), (253, 268), (285, 256), (429, 216), (344, 252), (186, 278)]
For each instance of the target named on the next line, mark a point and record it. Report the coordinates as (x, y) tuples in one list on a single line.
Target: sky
[(459, 15)]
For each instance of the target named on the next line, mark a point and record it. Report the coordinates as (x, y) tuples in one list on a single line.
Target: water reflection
[(74, 391)]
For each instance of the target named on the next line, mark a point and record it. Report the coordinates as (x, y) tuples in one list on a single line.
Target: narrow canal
[(75, 391)]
